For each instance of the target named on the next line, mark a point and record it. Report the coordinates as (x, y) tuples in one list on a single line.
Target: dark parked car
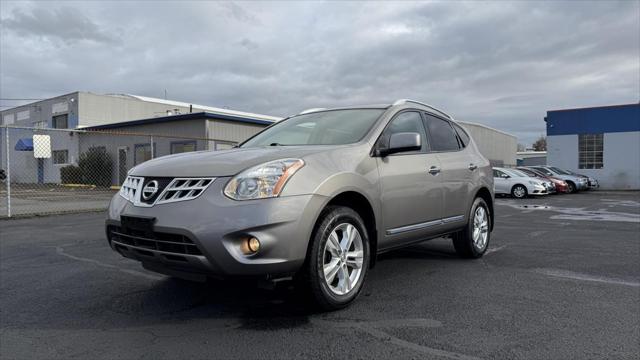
[(560, 185), (2, 175)]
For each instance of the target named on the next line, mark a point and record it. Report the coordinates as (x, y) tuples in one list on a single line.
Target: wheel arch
[(360, 204), (485, 195)]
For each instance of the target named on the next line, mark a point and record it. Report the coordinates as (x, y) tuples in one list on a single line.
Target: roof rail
[(404, 101), (311, 110)]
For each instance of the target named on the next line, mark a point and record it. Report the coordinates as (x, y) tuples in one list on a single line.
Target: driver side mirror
[(400, 142), (505, 176)]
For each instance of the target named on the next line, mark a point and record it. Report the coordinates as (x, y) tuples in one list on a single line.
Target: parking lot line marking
[(60, 251), (383, 336), (585, 277), (372, 328)]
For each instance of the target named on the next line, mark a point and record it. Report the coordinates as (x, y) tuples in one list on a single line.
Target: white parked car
[(517, 184)]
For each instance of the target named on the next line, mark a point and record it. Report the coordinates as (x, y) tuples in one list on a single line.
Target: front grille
[(169, 190), (182, 189), (153, 240), (130, 188)]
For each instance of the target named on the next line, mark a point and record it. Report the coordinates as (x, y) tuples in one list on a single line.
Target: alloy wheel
[(519, 191), (343, 259), (480, 228)]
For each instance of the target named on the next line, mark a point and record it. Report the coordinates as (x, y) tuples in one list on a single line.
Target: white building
[(601, 142)]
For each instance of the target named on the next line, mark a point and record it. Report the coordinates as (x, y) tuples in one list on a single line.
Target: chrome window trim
[(424, 225)]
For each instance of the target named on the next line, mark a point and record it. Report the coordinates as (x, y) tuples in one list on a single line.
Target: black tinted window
[(462, 135), (409, 121), (443, 137)]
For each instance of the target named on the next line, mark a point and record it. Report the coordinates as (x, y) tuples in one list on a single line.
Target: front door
[(500, 182), (410, 193)]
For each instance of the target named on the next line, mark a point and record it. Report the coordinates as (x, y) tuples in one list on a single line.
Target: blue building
[(602, 142)]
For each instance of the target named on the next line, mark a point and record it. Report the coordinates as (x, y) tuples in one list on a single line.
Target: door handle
[(473, 166), (434, 170)]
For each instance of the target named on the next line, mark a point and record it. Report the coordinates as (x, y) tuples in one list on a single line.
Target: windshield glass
[(559, 171), (514, 172), (334, 127), (519, 173)]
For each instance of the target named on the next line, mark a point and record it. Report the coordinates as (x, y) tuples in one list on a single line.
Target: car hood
[(221, 163)]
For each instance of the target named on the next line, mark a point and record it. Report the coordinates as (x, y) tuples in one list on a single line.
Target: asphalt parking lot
[(561, 280)]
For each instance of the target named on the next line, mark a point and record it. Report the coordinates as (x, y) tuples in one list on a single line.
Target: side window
[(462, 135), (443, 137), (409, 121), (496, 173)]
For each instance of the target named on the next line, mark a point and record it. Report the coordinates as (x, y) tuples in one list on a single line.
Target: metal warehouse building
[(601, 142), (497, 146), (172, 134), (180, 127)]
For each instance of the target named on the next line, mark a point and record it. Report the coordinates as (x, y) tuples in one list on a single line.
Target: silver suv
[(314, 198)]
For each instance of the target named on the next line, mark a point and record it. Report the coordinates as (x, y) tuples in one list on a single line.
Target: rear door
[(456, 170), (411, 195)]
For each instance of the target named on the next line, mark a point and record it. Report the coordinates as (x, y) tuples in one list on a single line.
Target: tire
[(463, 241), (337, 221), (519, 191), (571, 187)]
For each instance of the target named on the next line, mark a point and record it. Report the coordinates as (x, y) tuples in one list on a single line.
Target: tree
[(540, 144), (521, 147)]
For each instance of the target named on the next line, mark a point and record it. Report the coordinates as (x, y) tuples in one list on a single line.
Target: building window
[(142, 153), (40, 124), (224, 145), (590, 149), (183, 146), (60, 156), (61, 121)]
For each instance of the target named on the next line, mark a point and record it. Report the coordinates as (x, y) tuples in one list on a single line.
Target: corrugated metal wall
[(499, 147)]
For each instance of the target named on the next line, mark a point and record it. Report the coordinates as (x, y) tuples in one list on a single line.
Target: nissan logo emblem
[(150, 189)]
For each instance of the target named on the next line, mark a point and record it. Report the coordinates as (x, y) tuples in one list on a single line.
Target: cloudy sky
[(498, 63)]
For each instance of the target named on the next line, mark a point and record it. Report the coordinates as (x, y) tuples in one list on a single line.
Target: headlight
[(263, 181), (534, 183)]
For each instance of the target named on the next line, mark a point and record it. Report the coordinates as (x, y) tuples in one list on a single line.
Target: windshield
[(335, 127), (514, 172), (559, 171), (518, 173)]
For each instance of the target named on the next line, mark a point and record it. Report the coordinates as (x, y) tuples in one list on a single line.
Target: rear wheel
[(338, 260), (473, 241), (519, 191)]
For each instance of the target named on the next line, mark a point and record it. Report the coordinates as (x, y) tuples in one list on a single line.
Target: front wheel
[(473, 241), (519, 191), (338, 260)]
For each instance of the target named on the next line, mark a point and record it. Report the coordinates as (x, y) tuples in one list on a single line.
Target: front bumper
[(217, 227), (538, 190)]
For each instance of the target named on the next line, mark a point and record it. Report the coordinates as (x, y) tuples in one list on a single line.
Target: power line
[(16, 99)]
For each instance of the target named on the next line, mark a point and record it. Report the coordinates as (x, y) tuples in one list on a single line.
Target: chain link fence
[(51, 171)]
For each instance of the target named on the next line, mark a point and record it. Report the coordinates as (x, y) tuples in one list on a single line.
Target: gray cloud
[(65, 23), (503, 64)]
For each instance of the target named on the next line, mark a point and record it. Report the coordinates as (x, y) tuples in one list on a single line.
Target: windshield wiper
[(275, 144)]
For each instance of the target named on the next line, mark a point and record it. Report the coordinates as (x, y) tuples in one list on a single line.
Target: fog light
[(250, 246), (254, 244)]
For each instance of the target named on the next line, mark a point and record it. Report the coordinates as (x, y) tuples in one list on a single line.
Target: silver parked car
[(518, 184), (575, 183), (312, 198)]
